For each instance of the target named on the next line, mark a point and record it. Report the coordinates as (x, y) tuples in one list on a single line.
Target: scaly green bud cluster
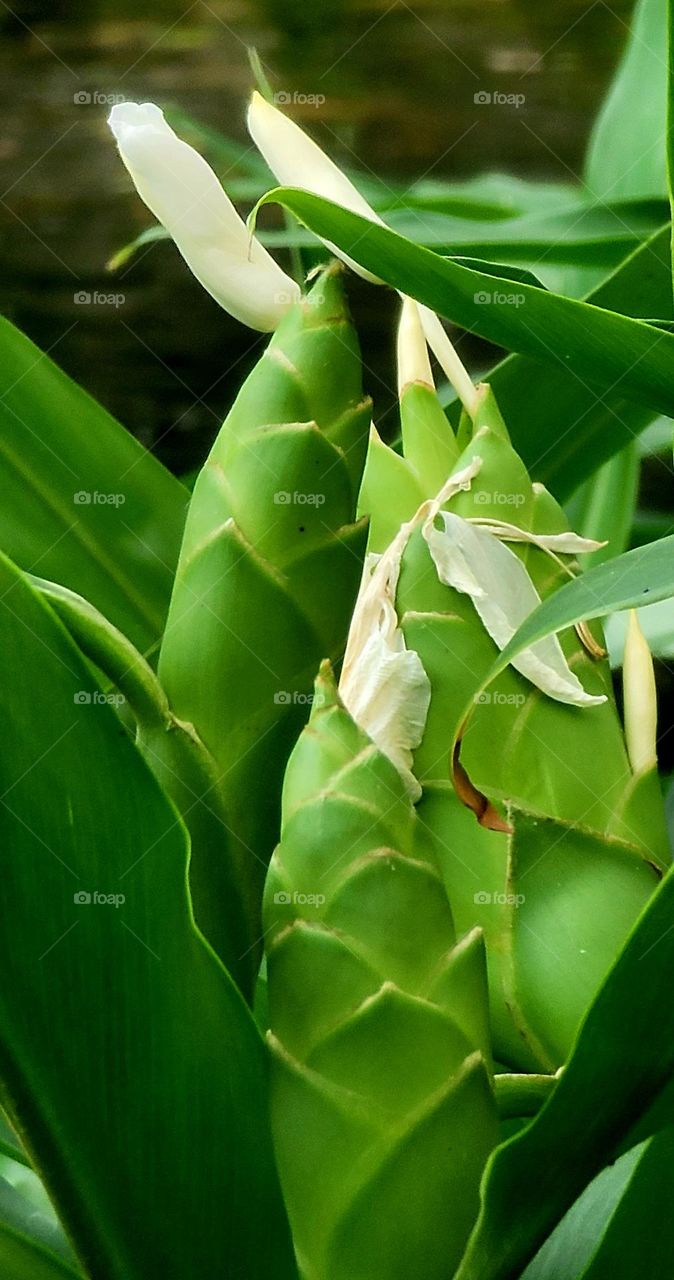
[(270, 565), (557, 895), (382, 1106)]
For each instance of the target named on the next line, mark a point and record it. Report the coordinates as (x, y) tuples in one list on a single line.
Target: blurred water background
[(383, 84)]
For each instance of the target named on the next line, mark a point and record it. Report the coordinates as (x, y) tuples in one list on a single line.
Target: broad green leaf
[(184, 768), (627, 153), (604, 348), (82, 502), (580, 233), (574, 1242), (137, 1083), (605, 1100), (669, 115), (560, 425), (620, 1226), (639, 1239)]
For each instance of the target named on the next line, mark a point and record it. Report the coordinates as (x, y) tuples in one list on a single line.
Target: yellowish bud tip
[(413, 360), (639, 698)]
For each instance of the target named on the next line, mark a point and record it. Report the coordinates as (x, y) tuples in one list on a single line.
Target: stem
[(448, 358), (522, 1095), (110, 650)]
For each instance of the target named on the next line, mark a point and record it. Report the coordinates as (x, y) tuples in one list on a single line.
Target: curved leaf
[(82, 501), (606, 349), (626, 156), (138, 1081)]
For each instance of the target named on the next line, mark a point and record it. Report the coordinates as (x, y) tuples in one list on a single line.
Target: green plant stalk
[(382, 1106), (270, 565), (589, 836), (184, 767)]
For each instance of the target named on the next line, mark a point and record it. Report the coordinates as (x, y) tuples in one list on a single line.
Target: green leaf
[(670, 111), (620, 1068), (561, 427), (573, 1243), (138, 1082), (580, 232), (185, 770), (639, 1239), (604, 348), (626, 156), (82, 502)]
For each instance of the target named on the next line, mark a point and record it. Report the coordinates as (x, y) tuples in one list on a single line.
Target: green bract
[(382, 1108), (557, 896), (270, 565)]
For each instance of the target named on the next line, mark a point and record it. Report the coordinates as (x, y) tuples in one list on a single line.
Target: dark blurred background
[(398, 82)]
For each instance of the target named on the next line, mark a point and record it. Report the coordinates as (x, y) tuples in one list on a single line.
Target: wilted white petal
[(297, 161), (567, 544), (480, 565), (184, 194), (383, 684)]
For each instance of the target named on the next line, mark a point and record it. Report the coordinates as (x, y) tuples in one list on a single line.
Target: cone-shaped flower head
[(382, 1110), (184, 194), (270, 563), (572, 836)]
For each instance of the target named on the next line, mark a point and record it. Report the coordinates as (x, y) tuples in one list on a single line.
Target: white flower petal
[(567, 544), (297, 161), (184, 194), (480, 565)]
